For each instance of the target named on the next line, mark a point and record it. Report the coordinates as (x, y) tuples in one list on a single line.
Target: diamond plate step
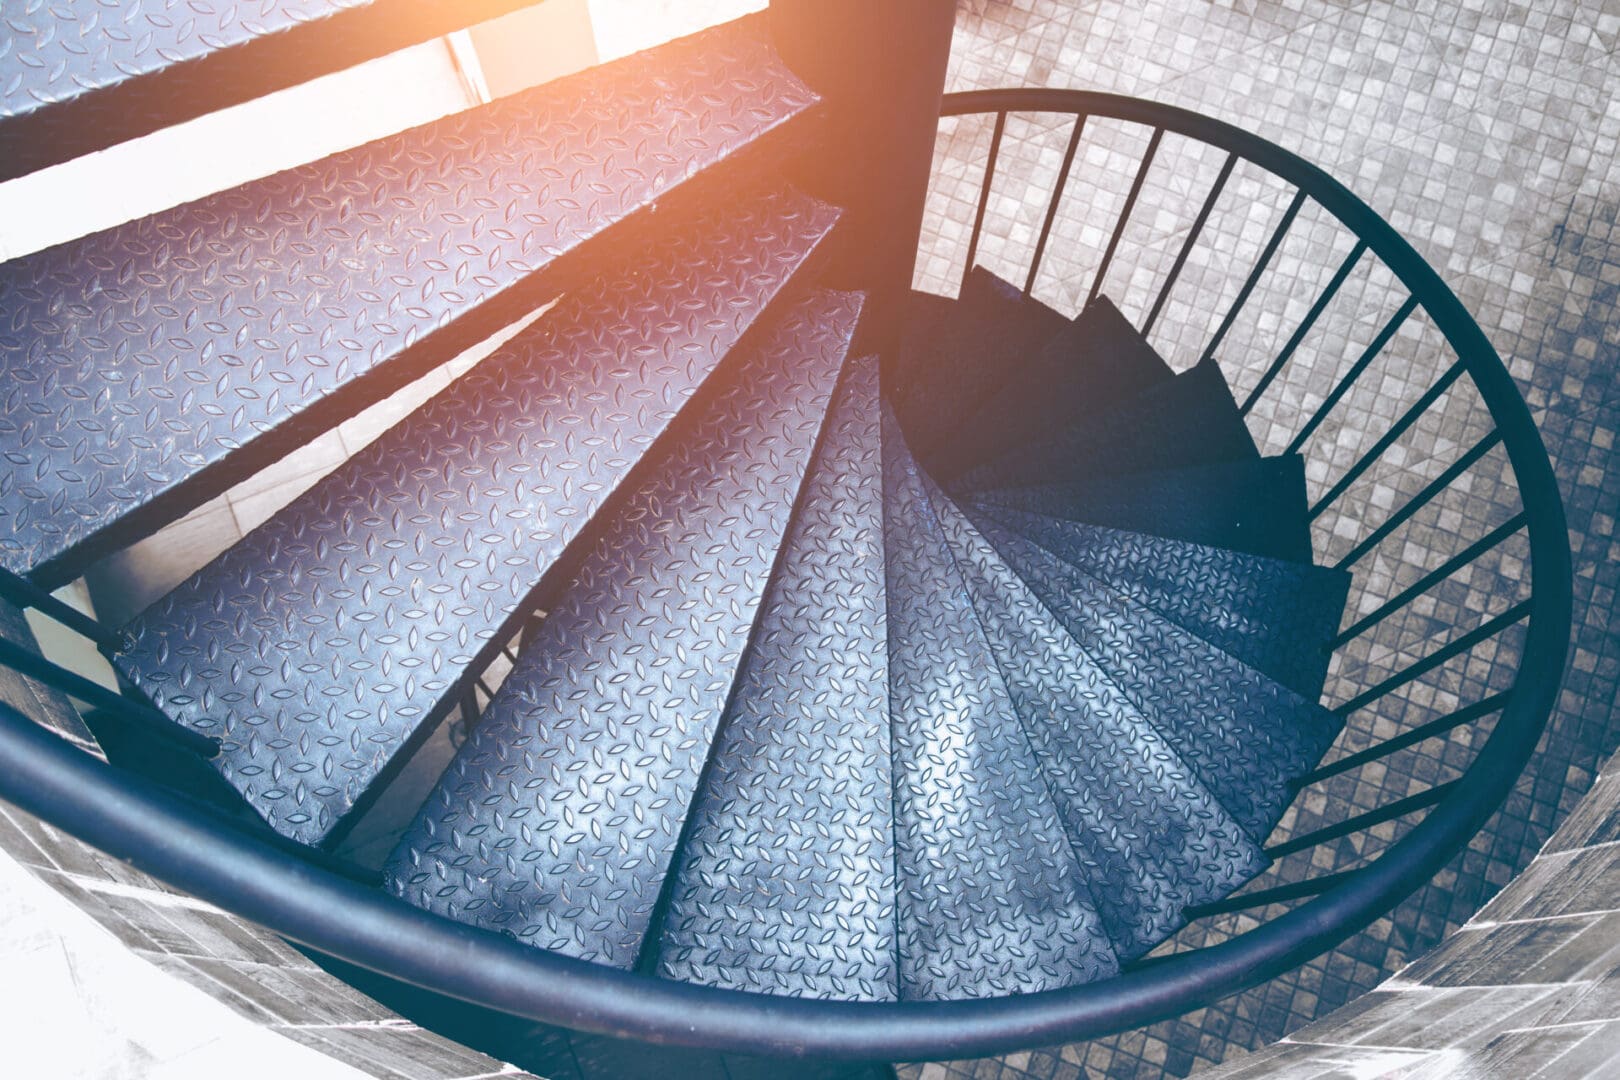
[(136, 363), (1153, 839), (1276, 616), (1092, 365), (1255, 506), (992, 898), (321, 644), (1244, 735), (559, 818), (1190, 420), (81, 75), (990, 330), (786, 880)]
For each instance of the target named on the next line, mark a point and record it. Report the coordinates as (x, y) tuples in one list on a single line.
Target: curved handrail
[(135, 819)]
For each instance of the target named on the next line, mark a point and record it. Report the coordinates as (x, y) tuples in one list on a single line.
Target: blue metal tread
[(1245, 735), (81, 75), (318, 647), (559, 818), (785, 883), (992, 899), (991, 330), (145, 368), (1274, 615), (1189, 420), (1095, 363), (1257, 506), (1154, 840)]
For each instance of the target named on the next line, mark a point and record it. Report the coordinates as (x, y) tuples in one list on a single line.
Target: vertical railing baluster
[(984, 195), (1125, 214), (1192, 239), (1360, 822), (1411, 737), (1311, 316), (1453, 649), (148, 719), (1057, 197), (1421, 499), (1429, 580), (1378, 343), (23, 593), (1430, 396), (1280, 894), (1272, 245)]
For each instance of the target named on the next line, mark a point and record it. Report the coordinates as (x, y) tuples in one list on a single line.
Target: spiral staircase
[(890, 675)]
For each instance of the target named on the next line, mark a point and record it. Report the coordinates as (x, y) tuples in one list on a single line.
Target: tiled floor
[(1529, 988), (1485, 132), (66, 975)]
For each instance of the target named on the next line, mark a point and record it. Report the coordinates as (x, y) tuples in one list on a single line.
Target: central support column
[(880, 67)]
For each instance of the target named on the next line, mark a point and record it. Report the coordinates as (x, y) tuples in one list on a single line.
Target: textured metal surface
[(786, 881), (319, 644), (1253, 506), (141, 359), (80, 75), (990, 332), (992, 898), (558, 820), (1244, 735), (1152, 837), (63, 49), (1275, 616), (1189, 420), (1091, 365)]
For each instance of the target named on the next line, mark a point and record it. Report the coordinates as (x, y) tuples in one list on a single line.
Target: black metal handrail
[(136, 819)]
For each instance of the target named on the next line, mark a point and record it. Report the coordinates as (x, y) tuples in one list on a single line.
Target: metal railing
[(1305, 192), (319, 906)]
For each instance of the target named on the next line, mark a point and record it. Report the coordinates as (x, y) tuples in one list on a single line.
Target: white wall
[(627, 26)]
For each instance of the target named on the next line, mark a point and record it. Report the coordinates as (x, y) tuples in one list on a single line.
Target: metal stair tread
[(558, 819), (991, 897), (138, 364), (320, 645), (1274, 615), (1152, 837), (1191, 419), (785, 882), (990, 328), (1096, 362), (1245, 735), (1256, 506)]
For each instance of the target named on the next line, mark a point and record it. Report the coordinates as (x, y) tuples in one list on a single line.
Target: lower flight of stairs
[(818, 712)]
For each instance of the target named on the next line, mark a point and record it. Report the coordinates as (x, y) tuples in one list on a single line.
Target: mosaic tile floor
[(1485, 132)]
